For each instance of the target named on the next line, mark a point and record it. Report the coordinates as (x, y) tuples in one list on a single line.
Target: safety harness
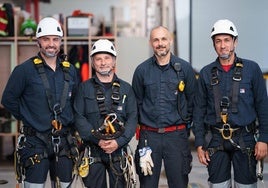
[(222, 104), (237, 77), (57, 131), (111, 127)]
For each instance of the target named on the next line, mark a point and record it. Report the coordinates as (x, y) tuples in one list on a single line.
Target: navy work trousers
[(173, 149), (228, 155)]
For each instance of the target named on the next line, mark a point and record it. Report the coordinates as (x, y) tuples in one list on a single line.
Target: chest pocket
[(35, 87), (151, 90), (171, 89), (91, 106), (246, 92)]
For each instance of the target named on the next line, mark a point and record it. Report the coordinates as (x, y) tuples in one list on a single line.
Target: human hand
[(202, 155), (146, 162), (108, 146), (260, 150)]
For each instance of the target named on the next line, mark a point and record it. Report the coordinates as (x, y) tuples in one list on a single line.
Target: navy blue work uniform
[(252, 105), (89, 116), (162, 127), (25, 97)]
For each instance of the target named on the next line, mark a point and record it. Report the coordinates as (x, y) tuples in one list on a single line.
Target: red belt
[(164, 129)]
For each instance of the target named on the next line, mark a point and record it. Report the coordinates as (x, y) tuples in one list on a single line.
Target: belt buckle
[(161, 130), (226, 131)]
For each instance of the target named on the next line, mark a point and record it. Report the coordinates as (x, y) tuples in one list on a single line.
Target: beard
[(161, 51), (50, 53)]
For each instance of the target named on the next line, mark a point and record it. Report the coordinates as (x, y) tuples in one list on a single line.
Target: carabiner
[(56, 143), (21, 141), (113, 117)]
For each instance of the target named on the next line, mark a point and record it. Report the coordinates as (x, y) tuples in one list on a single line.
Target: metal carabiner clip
[(113, 117), (56, 143), (109, 122), (21, 141)]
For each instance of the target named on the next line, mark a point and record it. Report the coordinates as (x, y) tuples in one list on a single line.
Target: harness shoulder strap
[(115, 94), (216, 92), (66, 70), (38, 62), (237, 77), (100, 97), (41, 70)]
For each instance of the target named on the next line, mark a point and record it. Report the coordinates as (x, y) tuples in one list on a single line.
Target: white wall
[(250, 18), (131, 52), (183, 28)]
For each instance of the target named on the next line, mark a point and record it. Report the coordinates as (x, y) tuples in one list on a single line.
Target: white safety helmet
[(103, 45), (224, 27), (49, 26)]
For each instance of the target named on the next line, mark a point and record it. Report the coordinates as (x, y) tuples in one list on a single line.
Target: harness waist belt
[(249, 128), (164, 129), (30, 131)]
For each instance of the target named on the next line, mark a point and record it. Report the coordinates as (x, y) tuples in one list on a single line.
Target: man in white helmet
[(231, 105), (39, 93), (106, 118)]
